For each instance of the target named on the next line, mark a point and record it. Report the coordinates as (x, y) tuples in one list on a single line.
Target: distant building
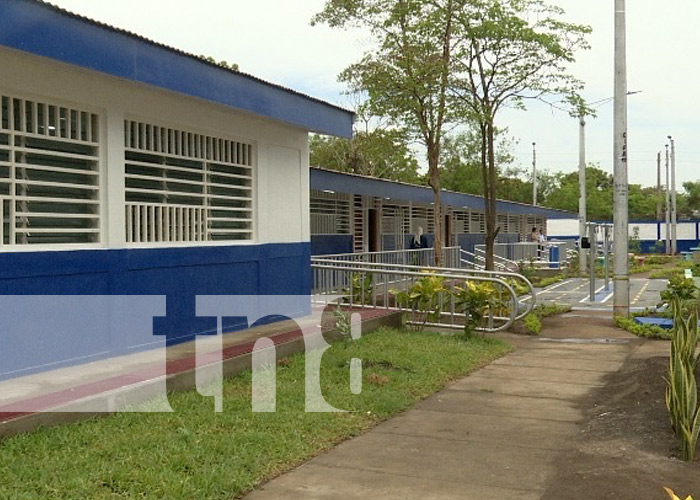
[(355, 213)]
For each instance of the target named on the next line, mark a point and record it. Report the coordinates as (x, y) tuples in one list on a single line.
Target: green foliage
[(425, 297), (633, 242), (532, 323), (680, 288), (681, 385), (659, 259), (667, 273), (378, 153), (362, 291), (646, 331), (547, 310), (474, 300), (343, 321), (194, 453), (599, 195), (547, 281)]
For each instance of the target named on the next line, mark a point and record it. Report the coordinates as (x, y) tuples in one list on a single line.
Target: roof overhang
[(45, 30), (328, 180)]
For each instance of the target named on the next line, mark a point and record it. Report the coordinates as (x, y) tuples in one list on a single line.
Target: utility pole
[(621, 291), (668, 208), (534, 174), (581, 190), (658, 185), (674, 242)]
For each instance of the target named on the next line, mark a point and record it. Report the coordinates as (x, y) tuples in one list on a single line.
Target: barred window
[(423, 216), (184, 186), (330, 212), (49, 174)]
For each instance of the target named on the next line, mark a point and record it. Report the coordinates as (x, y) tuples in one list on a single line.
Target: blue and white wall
[(272, 256), (650, 233)]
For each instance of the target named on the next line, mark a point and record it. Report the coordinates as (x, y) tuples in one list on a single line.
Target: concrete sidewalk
[(495, 434)]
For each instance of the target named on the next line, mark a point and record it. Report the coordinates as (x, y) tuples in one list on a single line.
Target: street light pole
[(658, 185), (621, 292), (534, 174), (582, 190), (668, 208), (674, 241)]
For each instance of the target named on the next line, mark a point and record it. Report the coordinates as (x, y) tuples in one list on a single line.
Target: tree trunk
[(491, 220), (434, 181)]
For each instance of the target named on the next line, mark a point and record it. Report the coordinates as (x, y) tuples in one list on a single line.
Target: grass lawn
[(195, 453)]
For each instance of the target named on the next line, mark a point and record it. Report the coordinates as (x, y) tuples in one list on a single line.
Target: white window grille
[(49, 174), (330, 212), (423, 216), (184, 186), (478, 223), (460, 222)]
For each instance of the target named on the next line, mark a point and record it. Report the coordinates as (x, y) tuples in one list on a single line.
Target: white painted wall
[(282, 152)]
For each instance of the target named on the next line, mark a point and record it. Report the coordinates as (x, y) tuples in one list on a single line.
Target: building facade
[(131, 168)]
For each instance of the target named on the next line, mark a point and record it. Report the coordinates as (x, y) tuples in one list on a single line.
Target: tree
[(599, 196), (461, 170), (378, 153), (691, 200), (599, 193), (508, 51), (407, 77)]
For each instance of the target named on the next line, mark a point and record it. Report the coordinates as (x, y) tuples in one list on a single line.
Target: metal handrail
[(411, 274), (455, 272), (479, 261), (382, 252)]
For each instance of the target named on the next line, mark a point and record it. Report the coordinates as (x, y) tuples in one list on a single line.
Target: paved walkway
[(495, 434)]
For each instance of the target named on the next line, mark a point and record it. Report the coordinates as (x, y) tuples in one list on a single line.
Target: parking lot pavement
[(576, 292)]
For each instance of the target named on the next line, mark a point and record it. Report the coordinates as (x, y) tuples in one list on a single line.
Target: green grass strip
[(196, 453)]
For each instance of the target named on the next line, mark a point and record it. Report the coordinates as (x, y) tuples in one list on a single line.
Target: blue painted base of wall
[(325, 244), (179, 274)]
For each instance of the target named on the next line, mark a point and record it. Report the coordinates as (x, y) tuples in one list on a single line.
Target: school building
[(134, 169)]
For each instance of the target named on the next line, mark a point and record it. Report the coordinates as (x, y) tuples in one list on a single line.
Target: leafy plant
[(681, 385), (362, 289), (681, 288), (635, 244), (425, 297), (343, 321), (474, 300), (646, 331), (532, 323)]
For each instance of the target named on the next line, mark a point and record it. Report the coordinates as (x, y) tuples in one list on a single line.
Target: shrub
[(474, 301), (668, 273), (681, 288), (532, 323), (646, 331), (362, 290), (425, 297)]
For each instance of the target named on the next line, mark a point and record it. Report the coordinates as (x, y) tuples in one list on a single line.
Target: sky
[(273, 40)]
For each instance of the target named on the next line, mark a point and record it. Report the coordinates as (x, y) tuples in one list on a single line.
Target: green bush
[(667, 273), (474, 301), (646, 331), (532, 323), (424, 297)]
